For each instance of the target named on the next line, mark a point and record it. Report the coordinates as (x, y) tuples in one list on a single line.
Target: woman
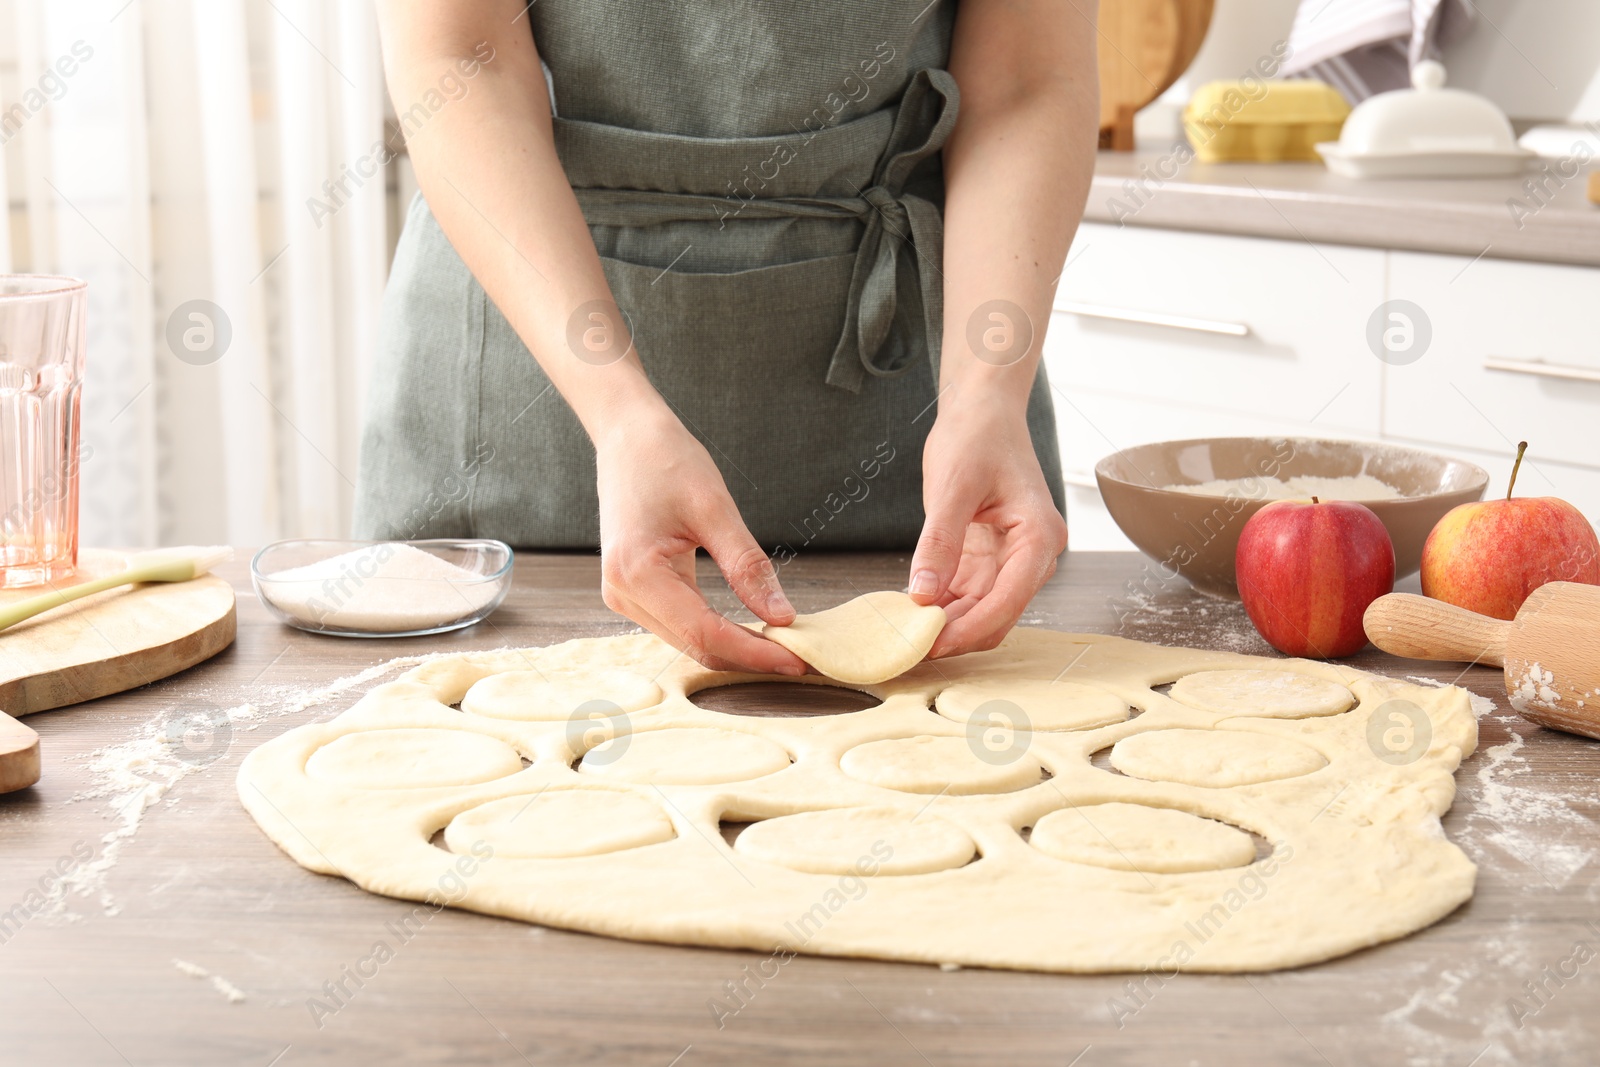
[(743, 277)]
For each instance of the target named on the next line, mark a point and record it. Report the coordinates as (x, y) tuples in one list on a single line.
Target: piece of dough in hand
[(863, 641)]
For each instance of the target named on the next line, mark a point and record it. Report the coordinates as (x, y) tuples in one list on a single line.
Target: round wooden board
[(113, 641), (1144, 46)]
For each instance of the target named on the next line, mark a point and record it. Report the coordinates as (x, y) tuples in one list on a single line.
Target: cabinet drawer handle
[(1080, 481), (1538, 368), (1155, 318)]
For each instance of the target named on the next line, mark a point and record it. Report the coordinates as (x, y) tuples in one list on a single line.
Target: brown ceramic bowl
[(1196, 535)]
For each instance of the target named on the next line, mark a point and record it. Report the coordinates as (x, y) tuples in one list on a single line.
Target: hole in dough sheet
[(413, 759), (1142, 838), (862, 841), (1101, 758), (959, 766), (560, 824), (684, 756), (1214, 759), (782, 699)]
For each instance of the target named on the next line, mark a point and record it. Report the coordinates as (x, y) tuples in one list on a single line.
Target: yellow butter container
[(1262, 121)]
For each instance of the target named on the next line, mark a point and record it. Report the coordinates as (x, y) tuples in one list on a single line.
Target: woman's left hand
[(992, 533)]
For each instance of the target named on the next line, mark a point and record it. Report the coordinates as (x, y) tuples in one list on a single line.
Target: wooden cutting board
[(1143, 47), (113, 641)]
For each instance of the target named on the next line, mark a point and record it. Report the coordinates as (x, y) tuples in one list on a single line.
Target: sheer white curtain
[(200, 163)]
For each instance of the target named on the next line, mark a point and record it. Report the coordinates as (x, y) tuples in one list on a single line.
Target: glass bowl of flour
[(382, 588)]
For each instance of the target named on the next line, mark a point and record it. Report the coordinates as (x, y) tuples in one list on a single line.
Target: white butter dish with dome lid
[(1426, 132)]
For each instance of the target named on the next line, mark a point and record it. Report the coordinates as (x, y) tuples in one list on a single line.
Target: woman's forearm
[(1017, 171), (486, 162)]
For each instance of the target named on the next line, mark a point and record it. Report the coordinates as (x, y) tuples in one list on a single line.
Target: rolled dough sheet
[(864, 641), (897, 832)]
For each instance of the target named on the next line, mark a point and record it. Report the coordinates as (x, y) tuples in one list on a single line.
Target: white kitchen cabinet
[(1578, 485), (1261, 328), (1513, 357), (1162, 334), (1090, 527)]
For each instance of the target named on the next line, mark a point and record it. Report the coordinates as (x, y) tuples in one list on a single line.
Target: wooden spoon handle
[(1419, 627)]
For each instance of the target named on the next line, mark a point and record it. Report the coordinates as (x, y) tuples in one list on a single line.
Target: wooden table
[(199, 883)]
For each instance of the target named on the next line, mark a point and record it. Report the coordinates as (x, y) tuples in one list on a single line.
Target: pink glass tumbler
[(41, 382)]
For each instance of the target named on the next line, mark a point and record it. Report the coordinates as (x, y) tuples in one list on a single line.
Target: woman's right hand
[(661, 498)]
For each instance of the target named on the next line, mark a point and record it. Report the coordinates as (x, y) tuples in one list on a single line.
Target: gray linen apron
[(763, 184)]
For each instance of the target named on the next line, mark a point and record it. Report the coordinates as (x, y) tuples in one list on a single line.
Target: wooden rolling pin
[(1550, 651)]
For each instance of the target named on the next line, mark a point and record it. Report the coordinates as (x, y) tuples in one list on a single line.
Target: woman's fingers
[(1024, 569), (750, 574), (687, 622)]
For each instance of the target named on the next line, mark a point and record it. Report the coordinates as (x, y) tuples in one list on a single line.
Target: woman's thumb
[(933, 565), (751, 574)]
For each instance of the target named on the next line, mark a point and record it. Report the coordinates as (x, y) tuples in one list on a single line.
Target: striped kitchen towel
[(1363, 47)]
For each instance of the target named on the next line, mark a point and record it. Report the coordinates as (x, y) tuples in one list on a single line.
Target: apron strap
[(897, 278)]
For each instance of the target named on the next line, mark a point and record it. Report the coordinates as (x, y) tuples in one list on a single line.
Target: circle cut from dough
[(1134, 837), (875, 637), (1214, 759), (861, 841), (560, 823), (413, 759), (685, 756), (959, 766), (531, 697), (1269, 694), (1033, 705)]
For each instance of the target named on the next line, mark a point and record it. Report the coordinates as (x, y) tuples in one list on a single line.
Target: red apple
[(1308, 570), (1488, 556)]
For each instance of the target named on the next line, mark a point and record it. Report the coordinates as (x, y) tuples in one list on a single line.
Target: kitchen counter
[(199, 883), (1303, 201)]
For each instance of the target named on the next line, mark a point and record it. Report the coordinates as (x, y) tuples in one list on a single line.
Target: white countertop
[(1304, 201)]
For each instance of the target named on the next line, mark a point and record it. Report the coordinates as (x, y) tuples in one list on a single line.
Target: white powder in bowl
[(387, 588), (1349, 487)]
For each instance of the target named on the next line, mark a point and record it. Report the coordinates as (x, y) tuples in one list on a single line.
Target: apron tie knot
[(896, 303)]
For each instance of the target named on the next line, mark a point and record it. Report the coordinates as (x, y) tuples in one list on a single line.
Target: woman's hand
[(992, 532), (662, 497)]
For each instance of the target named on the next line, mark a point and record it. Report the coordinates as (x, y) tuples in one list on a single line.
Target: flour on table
[(1350, 487), (230, 992), (387, 588), (135, 775), (1520, 819)]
